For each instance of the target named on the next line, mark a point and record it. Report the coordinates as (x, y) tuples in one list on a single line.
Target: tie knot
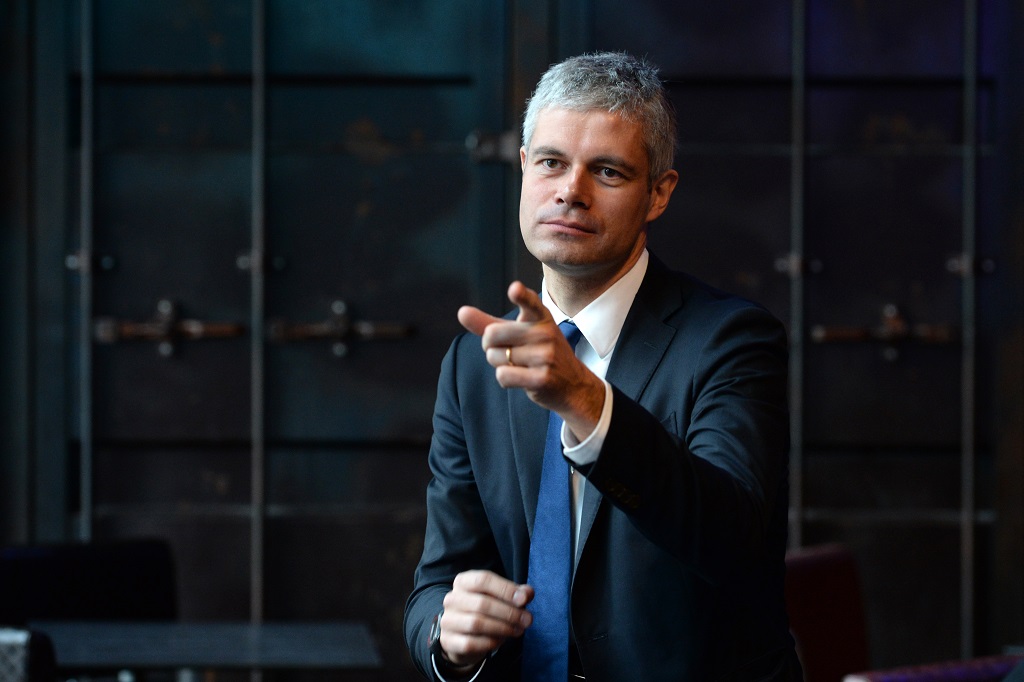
[(571, 331)]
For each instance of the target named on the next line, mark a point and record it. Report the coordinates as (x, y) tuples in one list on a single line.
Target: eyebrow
[(547, 151)]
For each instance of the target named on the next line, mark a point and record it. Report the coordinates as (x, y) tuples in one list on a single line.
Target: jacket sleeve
[(457, 535), (705, 476)]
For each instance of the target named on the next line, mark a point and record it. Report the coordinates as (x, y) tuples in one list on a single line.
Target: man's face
[(585, 199)]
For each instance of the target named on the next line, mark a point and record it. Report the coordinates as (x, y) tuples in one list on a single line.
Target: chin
[(557, 259), (559, 252)]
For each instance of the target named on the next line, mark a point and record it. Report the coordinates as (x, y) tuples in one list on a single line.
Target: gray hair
[(615, 82)]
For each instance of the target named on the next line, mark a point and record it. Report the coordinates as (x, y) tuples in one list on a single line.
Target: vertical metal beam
[(49, 295), (969, 314), (257, 276), (85, 279), (798, 152), (16, 423)]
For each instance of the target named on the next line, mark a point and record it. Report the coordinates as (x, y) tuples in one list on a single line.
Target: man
[(675, 429)]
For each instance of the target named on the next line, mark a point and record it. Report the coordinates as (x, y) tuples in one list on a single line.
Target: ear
[(661, 192), (522, 158)]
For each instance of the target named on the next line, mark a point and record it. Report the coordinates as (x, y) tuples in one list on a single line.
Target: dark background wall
[(201, 199)]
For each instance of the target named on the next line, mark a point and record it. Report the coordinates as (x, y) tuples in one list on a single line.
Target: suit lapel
[(641, 346), (529, 424), (645, 337)]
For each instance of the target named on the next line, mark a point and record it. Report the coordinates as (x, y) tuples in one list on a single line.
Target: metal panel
[(211, 551), (730, 209), (885, 119), (354, 221), (884, 230), (172, 38), (868, 38), (1002, 297), (346, 526), (210, 117), (173, 226), (203, 476), (698, 39), (738, 118), (365, 38)]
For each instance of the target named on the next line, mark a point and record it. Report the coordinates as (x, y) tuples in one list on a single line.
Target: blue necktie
[(546, 641)]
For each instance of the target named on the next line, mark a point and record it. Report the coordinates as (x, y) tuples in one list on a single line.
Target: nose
[(575, 192)]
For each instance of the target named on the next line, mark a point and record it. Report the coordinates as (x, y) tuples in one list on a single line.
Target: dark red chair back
[(826, 612)]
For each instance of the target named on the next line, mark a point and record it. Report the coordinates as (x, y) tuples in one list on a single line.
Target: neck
[(573, 290), (570, 294)]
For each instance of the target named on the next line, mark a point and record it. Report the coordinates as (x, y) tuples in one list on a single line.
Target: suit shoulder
[(465, 353), (699, 296)]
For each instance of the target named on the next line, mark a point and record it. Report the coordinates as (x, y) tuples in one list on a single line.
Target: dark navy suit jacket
[(680, 564)]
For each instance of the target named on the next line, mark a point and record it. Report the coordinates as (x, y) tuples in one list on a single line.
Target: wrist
[(584, 416), (440, 655), (445, 672)]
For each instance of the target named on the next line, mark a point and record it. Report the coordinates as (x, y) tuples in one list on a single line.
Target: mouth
[(566, 226)]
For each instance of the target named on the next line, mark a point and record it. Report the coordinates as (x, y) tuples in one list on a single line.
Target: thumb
[(531, 308), (475, 320)]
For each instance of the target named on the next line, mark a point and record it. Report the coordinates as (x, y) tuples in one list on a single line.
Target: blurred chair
[(117, 580), (26, 656), (986, 669), (826, 612)]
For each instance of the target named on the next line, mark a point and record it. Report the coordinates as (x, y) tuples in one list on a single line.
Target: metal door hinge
[(339, 328), (165, 328)]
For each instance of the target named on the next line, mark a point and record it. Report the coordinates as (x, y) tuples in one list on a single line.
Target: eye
[(609, 173), (550, 163)]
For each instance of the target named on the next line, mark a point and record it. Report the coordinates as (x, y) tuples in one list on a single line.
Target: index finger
[(531, 307), (492, 584), (475, 320)]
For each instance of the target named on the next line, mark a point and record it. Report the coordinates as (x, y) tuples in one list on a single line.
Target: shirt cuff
[(442, 678), (586, 451)]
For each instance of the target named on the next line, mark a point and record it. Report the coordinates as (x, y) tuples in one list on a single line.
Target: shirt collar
[(601, 321)]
